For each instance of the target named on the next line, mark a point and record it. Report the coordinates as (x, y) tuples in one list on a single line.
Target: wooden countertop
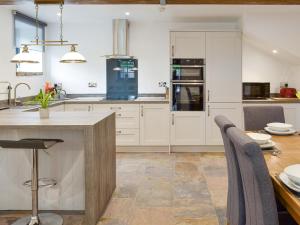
[(272, 101), (13, 119)]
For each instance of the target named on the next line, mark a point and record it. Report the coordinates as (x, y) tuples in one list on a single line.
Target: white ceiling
[(176, 13)]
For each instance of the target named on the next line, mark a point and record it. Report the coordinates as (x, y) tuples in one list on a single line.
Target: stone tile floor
[(163, 189)]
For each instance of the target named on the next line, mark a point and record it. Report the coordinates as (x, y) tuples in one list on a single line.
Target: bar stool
[(35, 145)]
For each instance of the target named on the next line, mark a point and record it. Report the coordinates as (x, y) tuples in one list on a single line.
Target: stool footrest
[(42, 182)]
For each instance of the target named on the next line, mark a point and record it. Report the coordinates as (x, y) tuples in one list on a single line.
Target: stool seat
[(30, 143)]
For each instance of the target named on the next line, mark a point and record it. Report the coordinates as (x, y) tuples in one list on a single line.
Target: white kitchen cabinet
[(154, 124), (127, 115), (188, 44), (57, 108), (223, 67), (233, 111), (79, 107), (127, 137), (187, 128)]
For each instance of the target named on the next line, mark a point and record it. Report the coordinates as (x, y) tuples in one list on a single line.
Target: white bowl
[(293, 172), (280, 126), (260, 138)]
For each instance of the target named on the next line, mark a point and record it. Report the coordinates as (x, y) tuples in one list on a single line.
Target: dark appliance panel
[(122, 79), (188, 70), (255, 90), (188, 97)]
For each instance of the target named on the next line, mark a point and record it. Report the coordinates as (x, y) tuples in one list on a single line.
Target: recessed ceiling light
[(127, 13), (274, 51)]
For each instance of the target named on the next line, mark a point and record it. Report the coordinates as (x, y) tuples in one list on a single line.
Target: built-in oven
[(190, 70), (256, 90), (187, 96)]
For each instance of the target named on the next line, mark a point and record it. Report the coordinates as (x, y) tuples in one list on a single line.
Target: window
[(25, 32)]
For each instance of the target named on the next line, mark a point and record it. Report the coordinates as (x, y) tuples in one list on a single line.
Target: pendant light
[(24, 57), (71, 57)]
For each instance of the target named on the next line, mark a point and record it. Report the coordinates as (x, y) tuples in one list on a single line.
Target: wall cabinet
[(233, 111), (154, 124), (79, 107), (187, 44), (223, 67), (187, 128)]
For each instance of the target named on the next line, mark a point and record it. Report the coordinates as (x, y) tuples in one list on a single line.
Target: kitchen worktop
[(12, 118), (272, 100), (101, 100)]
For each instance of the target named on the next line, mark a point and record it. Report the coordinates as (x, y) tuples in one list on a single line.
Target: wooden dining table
[(288, 148)]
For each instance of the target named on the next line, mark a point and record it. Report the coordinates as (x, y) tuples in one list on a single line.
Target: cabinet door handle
[(142, 110), (119, 132), (208, 92), (89, 108), (119, 114), (208, 110), (173, 121), (172, 50)]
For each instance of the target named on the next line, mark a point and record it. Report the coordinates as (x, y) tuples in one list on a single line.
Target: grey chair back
[(257, 117), (259, 195), (235, 197)]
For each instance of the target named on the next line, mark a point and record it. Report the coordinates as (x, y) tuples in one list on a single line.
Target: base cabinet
[(154, 124), (187, 128), (79, 107), (233, 111)]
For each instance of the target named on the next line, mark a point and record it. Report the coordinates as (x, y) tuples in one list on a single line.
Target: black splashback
[(121, 78)]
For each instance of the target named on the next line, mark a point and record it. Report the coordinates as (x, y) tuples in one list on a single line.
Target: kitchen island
[(84, 165)]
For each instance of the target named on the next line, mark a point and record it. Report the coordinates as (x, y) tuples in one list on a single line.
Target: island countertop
[(17, 119)]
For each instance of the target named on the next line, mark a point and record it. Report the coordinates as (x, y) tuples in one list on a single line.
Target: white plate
[(289, 132), (285, 179), (280, 126), (268, 145), (260, 138), (293, 172)]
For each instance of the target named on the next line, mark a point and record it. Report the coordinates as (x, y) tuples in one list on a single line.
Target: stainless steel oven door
[(188, 96)]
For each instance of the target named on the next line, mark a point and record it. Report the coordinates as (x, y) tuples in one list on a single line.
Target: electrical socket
[(162, 84), (92, 84)]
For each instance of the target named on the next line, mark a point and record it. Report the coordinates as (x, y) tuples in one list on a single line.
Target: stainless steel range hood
[(120, 39)]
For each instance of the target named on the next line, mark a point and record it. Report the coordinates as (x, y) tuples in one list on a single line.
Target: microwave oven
[(256, 90)]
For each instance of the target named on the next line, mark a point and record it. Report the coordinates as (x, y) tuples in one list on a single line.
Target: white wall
[(7, 69), (149, 42), (261, 66)]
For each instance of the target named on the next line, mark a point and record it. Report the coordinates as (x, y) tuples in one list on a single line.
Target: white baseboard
[(202, 148)]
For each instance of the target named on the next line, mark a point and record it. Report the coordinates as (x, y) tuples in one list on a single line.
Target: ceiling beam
[(170, 2)]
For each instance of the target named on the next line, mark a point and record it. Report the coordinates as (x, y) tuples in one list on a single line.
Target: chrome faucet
[(15, 91)]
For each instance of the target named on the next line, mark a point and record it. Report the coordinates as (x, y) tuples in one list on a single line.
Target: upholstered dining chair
[(257, 117), (260, 202), (235, 196)]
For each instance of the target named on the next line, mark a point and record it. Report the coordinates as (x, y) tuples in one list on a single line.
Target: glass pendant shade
[(73, 57), (24, 57)]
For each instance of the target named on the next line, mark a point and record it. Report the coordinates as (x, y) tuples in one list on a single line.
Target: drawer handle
[(119, 114), (115, 108), (119, 132)]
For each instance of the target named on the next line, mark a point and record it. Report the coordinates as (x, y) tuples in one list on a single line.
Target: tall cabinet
[(223, 81), (223, 85)]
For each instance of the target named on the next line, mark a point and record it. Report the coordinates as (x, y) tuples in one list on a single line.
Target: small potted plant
[(43, 98)]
